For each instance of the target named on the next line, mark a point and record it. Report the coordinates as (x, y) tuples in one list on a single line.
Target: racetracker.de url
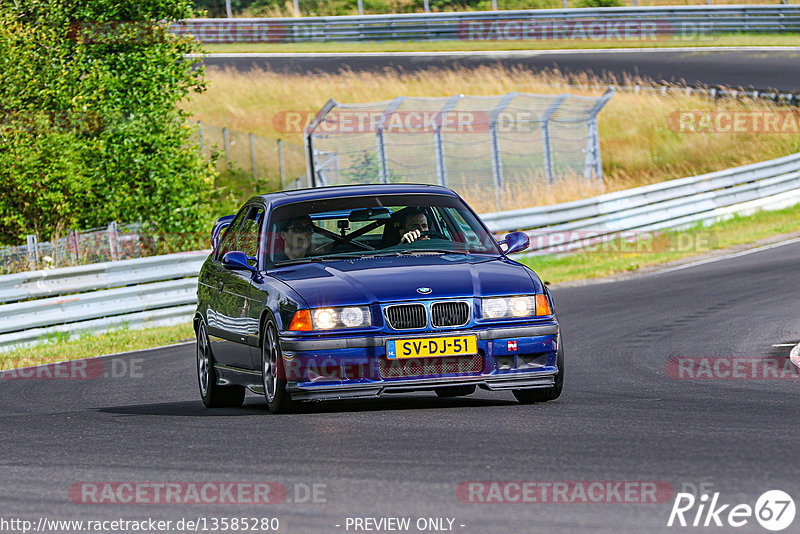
[(142, 526)]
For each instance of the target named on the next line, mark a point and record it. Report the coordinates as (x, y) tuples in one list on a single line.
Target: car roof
[(316, 193)]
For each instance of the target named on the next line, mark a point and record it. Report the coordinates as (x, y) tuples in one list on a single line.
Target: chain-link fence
[(267, 162), (115, 242), (475, 145)]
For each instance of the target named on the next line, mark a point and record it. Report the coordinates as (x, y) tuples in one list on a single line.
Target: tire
[(272, 370), (530, 396), (213, 395), (454, 391)]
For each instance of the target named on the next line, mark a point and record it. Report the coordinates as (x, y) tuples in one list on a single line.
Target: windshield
[(382, 225)]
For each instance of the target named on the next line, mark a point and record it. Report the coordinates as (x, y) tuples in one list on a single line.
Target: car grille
[(448, 365), (405, 316), (449, 314)]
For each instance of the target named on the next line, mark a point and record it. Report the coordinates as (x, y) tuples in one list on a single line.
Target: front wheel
[(529, 396), (272, 371), (213, 395)]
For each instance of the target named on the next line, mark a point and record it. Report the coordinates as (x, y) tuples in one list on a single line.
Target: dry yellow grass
[(638, 145)]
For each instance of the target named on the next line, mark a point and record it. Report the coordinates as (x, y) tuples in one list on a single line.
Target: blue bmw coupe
[(356, 291)]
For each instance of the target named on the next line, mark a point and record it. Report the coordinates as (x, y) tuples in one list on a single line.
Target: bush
[(91, 131)]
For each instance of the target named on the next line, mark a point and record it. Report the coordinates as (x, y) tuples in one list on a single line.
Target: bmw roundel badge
[(424, 290)]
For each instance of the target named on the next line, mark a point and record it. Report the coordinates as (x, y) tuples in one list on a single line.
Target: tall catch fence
[(256, 159), (473, 144)]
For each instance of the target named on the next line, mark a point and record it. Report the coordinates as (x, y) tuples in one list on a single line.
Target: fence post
[(497, 164), (33, 251), (566, 5), (360, 7), (253, 155), (593, 161), (547, 149), (438, 143), (280, 162), (297, 7), (113, 241), (228, 10), (427, 6), (494, 5), (383, 171), (200, 137), (227, 144), (73, 244), (380, 145)]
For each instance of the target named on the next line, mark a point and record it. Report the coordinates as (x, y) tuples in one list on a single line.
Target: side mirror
[(516, 242), (236, 261)]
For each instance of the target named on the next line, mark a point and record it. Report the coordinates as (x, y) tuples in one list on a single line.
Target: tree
[(90, 129)]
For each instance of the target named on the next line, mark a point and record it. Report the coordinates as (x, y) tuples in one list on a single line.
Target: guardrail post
[(547, 149)]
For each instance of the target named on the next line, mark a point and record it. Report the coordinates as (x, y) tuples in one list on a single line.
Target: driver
[(296, 236), (414, 223)]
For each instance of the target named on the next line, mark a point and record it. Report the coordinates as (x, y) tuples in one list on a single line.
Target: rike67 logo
[(774, 510)]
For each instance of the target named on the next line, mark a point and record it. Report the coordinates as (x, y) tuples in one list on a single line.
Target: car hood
[(391, 279)]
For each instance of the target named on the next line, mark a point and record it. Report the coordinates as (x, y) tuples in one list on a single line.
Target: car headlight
[(345, 317), (514, 307)]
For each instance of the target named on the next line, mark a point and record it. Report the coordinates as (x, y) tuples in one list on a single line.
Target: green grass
[(57, 348), (665, 247), (779, 39)]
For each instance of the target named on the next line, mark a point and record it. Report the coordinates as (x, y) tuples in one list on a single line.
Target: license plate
[(429, 347)]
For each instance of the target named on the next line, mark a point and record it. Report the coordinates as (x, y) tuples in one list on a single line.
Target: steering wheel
[(433, 234)]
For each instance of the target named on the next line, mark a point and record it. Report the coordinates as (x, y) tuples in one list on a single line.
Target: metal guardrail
[(581, 23), (673, 204), (137, 293), (162, 289)]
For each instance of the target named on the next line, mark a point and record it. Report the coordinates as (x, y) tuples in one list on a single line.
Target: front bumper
[(323, 368)]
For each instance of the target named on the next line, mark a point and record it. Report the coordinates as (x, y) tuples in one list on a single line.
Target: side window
[(228, 240), (248, 237)]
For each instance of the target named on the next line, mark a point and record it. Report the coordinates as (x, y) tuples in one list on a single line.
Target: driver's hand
[(410, 237)]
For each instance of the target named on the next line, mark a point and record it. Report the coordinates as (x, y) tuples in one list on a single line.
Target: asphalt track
[(621, 418), (754, 68)]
